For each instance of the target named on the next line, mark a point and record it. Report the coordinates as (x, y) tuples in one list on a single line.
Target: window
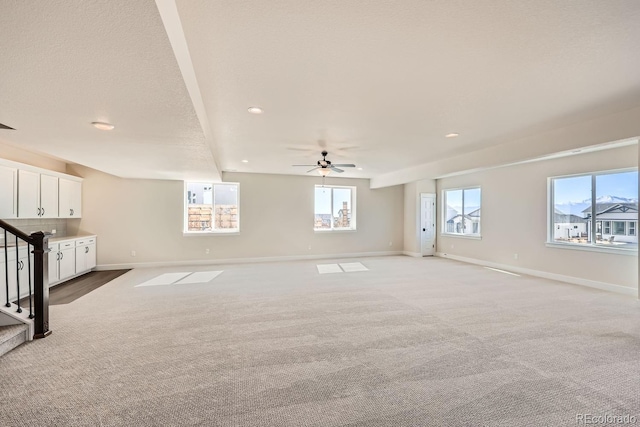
[(598, 209), (335, 208), (619, 228), (212, 207), (462, 211)]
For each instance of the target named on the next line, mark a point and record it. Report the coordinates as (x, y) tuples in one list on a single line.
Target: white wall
[(19, 155), (276, 219), (588, 133), (517, 195), (412, 192)]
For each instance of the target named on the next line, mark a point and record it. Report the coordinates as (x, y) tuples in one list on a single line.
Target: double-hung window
[(597, 209), (335, 208), (461, 214), (212, 208)]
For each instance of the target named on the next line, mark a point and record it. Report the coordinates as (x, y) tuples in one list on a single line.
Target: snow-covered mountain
[(612, 199), (576, 208)]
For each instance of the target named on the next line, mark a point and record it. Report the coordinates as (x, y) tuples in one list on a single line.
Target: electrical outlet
[(53, 231), (515, 256), (206, 251), (452, 246), (133, 253), (390, 243), (309, 247)]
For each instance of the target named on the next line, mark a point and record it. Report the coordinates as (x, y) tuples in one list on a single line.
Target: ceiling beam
[(173, 26)]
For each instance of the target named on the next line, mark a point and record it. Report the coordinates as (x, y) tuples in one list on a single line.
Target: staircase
[(12, 336), (24, 287)]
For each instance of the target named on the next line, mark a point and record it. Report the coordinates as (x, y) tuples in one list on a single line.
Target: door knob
[(424, 229)]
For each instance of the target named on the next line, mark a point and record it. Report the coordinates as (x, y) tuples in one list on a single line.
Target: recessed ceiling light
[(359, 169), (102, 125), (255, 110), (451, 135), (245, 161)]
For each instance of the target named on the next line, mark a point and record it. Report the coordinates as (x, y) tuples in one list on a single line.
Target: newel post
[(41, 283)]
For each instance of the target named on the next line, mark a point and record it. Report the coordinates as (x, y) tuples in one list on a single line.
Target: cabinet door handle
[(42, 212), (71, 212), (61, 255), (58, 256), (38, 211), (86, 250)]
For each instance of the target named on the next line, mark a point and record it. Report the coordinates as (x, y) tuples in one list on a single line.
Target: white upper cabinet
[(8, 192), (28, 194), (32, 192), (48, 196), (37, 195), (70, 201)]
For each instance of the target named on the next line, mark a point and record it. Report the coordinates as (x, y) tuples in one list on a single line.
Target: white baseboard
[(103, 267), (546, 275), (413, 254)]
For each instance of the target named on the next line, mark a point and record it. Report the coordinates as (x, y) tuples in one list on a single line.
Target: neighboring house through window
[(212, 208), (597, 209), (462, 211), (335, 208)]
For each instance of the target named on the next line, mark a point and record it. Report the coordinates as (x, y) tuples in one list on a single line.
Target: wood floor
[(75, 288)]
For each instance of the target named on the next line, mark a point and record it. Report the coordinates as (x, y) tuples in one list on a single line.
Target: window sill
[(209, 233), (463, 236), (592, 248), (338, 230)]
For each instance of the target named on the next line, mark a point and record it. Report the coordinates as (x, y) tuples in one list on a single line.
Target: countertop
[(53, 239)]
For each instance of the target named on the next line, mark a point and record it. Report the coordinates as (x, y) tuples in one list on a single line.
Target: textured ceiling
[(67, 64), (377, 83)]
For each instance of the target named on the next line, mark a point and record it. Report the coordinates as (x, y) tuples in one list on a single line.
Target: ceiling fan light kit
[(324, 166)]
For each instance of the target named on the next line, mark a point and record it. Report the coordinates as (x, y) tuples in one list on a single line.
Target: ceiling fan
[(324, 166)]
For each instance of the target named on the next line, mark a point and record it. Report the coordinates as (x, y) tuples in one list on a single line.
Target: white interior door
[(428, 224)]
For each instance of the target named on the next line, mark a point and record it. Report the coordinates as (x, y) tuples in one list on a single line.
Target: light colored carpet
[(411, 342)]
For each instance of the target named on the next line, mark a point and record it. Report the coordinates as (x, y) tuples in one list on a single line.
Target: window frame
[(615, 231), (213, 231), (352, 222), (593, 246), (444, 231)]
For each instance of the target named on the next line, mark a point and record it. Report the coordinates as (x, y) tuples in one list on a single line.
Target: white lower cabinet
[(54, 257), (67, 263), (69, 258), (85, 254)]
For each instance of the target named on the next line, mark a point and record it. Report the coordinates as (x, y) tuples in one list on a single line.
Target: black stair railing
[(37, 275)]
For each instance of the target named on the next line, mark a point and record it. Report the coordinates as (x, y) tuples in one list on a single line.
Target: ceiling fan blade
[(346, 165), (311, 170), (5, 127), (333, 168), (304, 165), (307, 150)]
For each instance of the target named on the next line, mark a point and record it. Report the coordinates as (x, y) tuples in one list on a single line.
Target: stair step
[(11, 337)]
